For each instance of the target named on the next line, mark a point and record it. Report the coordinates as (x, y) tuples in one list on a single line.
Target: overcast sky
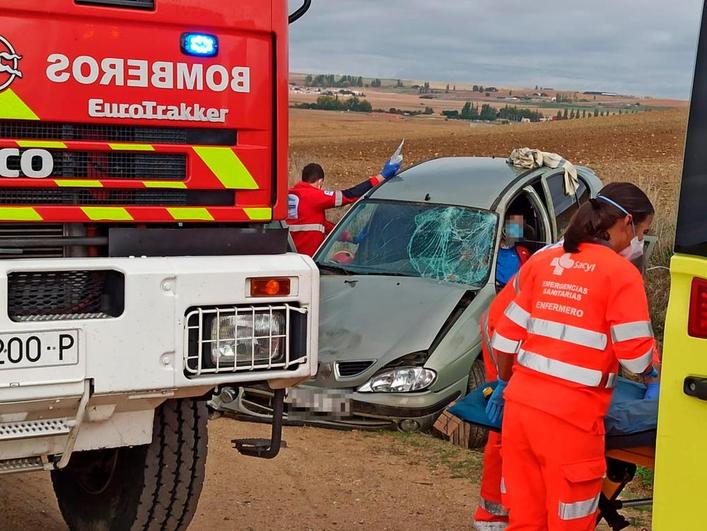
[(641, 47)]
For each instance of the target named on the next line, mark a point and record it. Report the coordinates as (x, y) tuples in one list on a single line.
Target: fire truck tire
[(146, 488), (477, 376)]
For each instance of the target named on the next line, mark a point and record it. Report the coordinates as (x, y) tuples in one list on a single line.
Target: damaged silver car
[(405, 277)]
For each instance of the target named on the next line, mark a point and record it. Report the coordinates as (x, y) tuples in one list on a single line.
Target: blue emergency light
[(199, 44)]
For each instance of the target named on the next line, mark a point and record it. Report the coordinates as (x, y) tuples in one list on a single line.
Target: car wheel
[(156, 486), (477, 377)]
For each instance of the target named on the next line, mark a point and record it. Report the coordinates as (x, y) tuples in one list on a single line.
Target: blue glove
[(652, 391), (653, 374), (390, 169), (361, 236), (494, 406)]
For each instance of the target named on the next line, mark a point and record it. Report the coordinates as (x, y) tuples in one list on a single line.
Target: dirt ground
[(323, 480)]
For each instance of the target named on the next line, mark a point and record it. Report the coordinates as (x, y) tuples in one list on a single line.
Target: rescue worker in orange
[(581, 311), (490, 514), (308, 202)]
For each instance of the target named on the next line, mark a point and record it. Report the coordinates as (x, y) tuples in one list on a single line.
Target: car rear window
[(439, 242)]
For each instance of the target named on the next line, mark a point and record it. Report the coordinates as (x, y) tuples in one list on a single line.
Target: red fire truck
[(143, 171)]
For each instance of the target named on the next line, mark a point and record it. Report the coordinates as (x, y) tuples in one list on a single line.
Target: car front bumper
[(346, 408)]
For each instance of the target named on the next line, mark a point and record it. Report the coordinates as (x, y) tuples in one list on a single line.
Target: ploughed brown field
[(351, 480), (644, 148)]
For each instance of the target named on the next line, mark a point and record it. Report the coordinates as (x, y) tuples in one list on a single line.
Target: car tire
[(151, 487), (477, 377)]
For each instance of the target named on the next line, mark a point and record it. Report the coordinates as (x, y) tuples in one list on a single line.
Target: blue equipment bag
[(631, 421)]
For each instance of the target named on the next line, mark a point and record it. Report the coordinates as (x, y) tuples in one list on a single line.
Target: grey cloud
[(631, 46)]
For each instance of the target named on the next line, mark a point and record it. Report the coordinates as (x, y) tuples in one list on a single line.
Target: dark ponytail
[(595, 217)]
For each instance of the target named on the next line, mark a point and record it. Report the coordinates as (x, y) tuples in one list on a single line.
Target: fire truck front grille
[(114, 165), (29, 232), (31, 130), (59, 295), (115, 196)]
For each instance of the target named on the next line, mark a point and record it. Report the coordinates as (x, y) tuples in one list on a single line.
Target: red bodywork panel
[(123, 68)]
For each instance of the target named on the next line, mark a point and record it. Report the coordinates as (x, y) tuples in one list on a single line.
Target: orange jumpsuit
[(577, 317), (490, 510), (490, 507)]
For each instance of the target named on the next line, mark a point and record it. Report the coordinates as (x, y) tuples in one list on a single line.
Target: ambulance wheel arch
[(141, 487)]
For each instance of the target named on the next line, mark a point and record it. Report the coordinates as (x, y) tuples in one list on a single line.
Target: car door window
[(565, 205)]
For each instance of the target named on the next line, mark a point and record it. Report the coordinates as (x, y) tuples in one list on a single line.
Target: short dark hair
[(595, 217), (312, 173)]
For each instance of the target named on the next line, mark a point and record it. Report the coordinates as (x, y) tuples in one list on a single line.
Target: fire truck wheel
[(477, 436), (144, 487)]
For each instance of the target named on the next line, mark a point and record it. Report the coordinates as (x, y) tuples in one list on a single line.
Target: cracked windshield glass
[(444, 243)]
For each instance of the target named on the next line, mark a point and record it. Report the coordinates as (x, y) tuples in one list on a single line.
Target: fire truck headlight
[(248, 339), (199, 44)]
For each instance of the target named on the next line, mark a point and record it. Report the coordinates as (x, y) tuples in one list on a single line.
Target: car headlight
[(248, 338), (400, 380)]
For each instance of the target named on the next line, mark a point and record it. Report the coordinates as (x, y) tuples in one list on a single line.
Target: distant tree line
[(403, 112), (333, 103), (573, 114), (487, 113), (481, 88), (331, 80), (566, 97)]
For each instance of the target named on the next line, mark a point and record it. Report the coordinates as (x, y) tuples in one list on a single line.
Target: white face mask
[(634, 249)]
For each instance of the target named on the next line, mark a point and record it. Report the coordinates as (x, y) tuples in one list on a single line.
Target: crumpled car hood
[(365, 317)]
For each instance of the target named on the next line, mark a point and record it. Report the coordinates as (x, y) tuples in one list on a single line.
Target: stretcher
[(630, 442)]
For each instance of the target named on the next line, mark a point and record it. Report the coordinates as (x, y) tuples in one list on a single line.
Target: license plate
[(39, 349), (324, 401)]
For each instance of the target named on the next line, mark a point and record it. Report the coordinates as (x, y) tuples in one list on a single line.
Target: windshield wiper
[(333, 269)]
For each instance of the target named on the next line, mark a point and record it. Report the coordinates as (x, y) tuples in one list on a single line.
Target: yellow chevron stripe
[(12, 107), (190, 214), (227, 167), (259, 214), (132, 147), (107, 213), (19, 214), (79, 183), (163, 184), (49, 144)]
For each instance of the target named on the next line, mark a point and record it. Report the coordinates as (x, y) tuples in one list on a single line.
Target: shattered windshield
[(439, 242)]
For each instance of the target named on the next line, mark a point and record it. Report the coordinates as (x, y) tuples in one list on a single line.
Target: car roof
[(466, 181)]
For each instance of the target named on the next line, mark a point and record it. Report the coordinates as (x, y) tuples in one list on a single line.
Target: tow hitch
[(266, 448)]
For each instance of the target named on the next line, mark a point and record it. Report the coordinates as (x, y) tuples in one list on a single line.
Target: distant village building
[(600, 93)]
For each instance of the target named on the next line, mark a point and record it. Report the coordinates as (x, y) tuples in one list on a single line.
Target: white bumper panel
[(141, 353), (122, 429)]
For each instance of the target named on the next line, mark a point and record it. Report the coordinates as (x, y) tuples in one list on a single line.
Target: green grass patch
[(438, 454)]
